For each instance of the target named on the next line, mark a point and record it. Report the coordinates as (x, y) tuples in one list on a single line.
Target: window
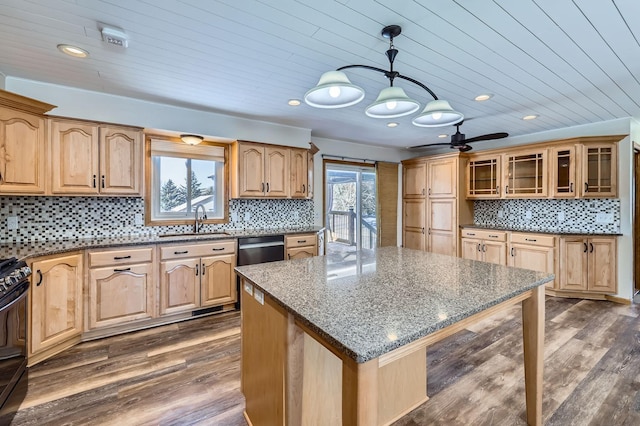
[(183, 177)]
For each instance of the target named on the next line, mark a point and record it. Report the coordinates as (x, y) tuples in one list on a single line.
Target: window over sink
[(181, 177)]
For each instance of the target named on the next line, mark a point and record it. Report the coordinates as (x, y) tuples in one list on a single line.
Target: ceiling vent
[(114, 36)]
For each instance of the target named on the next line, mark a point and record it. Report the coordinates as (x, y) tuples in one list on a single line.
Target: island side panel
[(264, 336), (533, 311)]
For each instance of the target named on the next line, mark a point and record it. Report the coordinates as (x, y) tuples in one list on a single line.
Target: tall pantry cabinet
[(433, 203)]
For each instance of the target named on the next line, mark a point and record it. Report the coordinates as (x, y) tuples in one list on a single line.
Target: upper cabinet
[(270, 171), (22, 145), (414, 179), (584, 167), (88, 159)]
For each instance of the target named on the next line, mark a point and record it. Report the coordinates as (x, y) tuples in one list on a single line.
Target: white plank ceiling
[(571, 62)]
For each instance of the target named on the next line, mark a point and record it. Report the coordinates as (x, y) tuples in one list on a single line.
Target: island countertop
[(376, 303)]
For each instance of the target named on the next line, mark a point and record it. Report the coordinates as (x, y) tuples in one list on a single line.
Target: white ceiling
[(571, 62)]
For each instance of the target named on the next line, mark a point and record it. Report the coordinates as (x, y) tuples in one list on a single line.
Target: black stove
[(14, 286)]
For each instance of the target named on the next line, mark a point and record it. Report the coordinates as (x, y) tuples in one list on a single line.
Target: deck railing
[(342, 225)]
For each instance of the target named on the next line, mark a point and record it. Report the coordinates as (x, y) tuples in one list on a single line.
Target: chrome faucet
[(198, 223)]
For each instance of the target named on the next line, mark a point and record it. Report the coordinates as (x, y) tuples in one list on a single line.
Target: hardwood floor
[(188, 374)]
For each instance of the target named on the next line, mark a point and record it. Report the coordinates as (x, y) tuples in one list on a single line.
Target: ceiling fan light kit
[(334, 90), (191, 139)]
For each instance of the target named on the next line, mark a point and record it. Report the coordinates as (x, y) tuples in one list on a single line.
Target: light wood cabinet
[(588, 264), (299, 185), (533, 251), (599, 170), (414, 179), (121, 286), (301, 246), (23, 148), (414, 213), (91, 160), (196, 275), (525, 174), (563, 170), (485, 246), (442, 226), (55, 312), (261, 171), (484, 177), (442, 178)]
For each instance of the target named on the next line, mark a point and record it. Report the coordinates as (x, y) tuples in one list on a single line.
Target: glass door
[(350, 207)]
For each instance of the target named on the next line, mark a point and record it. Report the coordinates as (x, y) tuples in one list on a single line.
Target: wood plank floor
[(188, 374)]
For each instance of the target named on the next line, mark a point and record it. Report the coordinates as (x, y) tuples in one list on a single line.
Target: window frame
[(150, 197)]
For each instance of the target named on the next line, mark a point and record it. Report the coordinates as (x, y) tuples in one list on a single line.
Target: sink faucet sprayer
[(198, 223)]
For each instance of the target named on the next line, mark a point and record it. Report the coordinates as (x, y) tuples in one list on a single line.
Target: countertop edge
[(538, 231)]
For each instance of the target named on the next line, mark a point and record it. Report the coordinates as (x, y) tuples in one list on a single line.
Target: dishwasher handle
[(260, 245)]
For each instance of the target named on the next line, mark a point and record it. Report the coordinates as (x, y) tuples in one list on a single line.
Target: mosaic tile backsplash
[(572, 216), (60, 218)]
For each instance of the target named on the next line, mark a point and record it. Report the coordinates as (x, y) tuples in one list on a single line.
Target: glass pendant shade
[(436, 114), (334, 90), (392, 102)]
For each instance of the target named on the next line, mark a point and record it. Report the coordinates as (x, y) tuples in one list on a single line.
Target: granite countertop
[(537, 231), (42, 248), (374, 304)]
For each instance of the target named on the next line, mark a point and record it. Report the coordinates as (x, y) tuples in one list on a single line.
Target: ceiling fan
[(458, 140)]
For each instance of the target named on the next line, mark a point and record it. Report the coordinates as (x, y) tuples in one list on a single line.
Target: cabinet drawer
[(197, 250), (483, 234), (301, 240), (533, 239), (120, 257)]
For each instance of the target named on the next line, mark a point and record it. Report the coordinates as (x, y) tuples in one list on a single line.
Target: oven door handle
[(17, 299)]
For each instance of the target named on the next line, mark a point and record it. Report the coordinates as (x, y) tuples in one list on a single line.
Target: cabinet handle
[(122, 270), (289, 256), (497, 189), (197, 267), (585, 247), (181, 252), (218, 249), (513, 251), (102, 181), (533, 240), (479, 247), (304, 188), (429, 192), (202, 269), (591, 247), (267, 186), (571, 187), (506, 189), (471, 234), (493, 236), (484, 248), (0, 176), (302, 241), (262, 187), (121, 257), (39, 278), (429, 231), (422, 191), (586, 187), (423, 230), (94, 181)]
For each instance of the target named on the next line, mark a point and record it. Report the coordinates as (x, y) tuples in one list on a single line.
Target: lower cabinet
[(533, 251), (588, 264), (196, 275), (486, 246), (301, 246), (121, 286), (55, 312)]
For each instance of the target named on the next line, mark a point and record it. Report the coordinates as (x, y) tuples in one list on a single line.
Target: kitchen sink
[(193, 234)]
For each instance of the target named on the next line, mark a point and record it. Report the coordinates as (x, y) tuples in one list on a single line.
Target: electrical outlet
[(247, 216), (604, 218), (12, 223), (527, 215), (137, 219), (561, 216), (234, 216), (500, 214), (258, 295), (295, 215)]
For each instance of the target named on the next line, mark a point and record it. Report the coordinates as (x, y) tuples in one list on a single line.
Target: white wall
[(2, 80)]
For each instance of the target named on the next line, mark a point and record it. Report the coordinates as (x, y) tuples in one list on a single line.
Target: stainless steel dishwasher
[(252, 250)]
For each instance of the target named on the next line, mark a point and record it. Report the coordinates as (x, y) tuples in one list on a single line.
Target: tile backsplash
[(573, 216), (58, 218)]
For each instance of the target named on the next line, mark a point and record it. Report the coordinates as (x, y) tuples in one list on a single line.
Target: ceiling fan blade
[(487, 137), (429, 144)]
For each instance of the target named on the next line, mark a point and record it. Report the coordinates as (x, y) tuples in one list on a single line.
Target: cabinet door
[(414, 180), (414, 239), (309, 176), (218, 280), (602, 265), (599, 170), (536, 258), (470, 248), (22, 153), (494, 252), (179, 285), (299, 185), (442, 178), (276, 172), (563, 172), (413, 223), (74, 162), (120, 161), (526, 174), (251, 170), (56, 301), (301, 252), (120, 294), (573, 263), (442, 226), (483, 177)]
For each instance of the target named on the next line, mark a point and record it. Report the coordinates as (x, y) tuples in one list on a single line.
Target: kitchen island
[(345, 343)]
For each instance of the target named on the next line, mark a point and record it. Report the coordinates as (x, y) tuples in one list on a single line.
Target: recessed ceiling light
[(392, 124), (442, 136), (294, 102), (74, 51), (530, 117), (483, 97)]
